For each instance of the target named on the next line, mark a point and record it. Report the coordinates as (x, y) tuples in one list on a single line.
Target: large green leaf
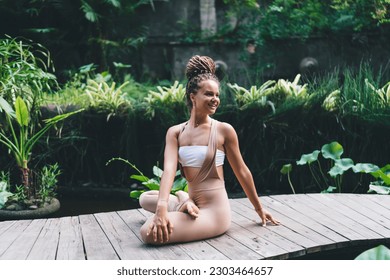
[(332, 150), (179, 184), (139, 178), (152, 184), (341, 165), (383, 174), (380, 252), (365, 168), (22, 115), (6, 107), (308, 158), (379, 189), (136, 194)]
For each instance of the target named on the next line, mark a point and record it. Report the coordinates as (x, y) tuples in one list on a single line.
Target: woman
[(200, 146)]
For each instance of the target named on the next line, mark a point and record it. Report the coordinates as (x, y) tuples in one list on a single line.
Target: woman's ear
[(192, 97)]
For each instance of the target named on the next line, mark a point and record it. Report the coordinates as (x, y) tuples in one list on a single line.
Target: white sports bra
[(193, 156)]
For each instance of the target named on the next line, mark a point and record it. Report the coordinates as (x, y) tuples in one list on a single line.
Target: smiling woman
[(200, 145)]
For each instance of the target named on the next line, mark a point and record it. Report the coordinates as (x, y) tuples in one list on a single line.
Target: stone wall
[(165, 54)]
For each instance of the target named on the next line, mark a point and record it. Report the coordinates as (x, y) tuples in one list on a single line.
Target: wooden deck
[(310, 223)]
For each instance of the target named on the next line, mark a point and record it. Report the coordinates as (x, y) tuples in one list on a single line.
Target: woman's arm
[(161, 227), (242, 172)]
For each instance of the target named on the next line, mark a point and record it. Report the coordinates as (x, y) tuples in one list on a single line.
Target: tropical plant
[(382, 93), (21, 142), (167, 104), (284, 89), (48, 179), (332, 102), (338, 166), (179, 184), (24, 71), (254, 96), (106, 98), (382, 185), (165, 96)]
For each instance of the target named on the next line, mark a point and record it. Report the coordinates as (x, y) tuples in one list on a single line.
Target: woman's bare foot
[(187, 205)]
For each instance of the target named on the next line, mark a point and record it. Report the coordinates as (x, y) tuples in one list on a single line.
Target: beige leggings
[(214, 213)]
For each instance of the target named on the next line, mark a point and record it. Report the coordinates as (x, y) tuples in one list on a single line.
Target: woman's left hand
[(265, 217)]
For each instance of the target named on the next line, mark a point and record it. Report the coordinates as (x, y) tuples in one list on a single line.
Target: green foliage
[(285, 89), (48, 179), (380, 252), (106, 98), (20, 143), (179, 184), (292, 18), (286, 169), (24, 70), (333, 101), (4, 193), (254, 96), (382, 185), (338, 166), (270, 93), (167, 104)]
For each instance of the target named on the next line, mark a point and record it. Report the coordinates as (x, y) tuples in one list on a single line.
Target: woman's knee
[(147, 239), (148, 200)]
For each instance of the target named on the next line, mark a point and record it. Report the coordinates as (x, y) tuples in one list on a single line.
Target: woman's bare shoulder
[(226, 129), (174, 130)]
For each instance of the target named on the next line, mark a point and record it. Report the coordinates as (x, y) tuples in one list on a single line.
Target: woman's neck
[(197, 120)]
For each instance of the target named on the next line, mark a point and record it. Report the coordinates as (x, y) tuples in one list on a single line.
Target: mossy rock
[(42, 212)]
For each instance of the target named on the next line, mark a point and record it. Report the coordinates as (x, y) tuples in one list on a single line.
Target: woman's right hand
[(160, 226)]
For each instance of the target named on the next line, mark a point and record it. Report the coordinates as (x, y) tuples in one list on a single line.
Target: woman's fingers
[(272, 220), (193, 210), (160, 232), (165, 234)]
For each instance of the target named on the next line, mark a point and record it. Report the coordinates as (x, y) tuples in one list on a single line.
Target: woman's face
[(206, 100)]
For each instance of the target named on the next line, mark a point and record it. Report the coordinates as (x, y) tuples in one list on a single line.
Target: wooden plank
[(373, 208), (97, 246), (235, 249), (45, 247), (134, 220), (310, 223), (304, 225), (248, 219), (202, 250), (70, 244), (348, 206), (198, 250), (346, 217), (291, 230), (328, 218), (21, 247), (383, 200), (4, 226), (126, 244), (11, 234), (244, 246)]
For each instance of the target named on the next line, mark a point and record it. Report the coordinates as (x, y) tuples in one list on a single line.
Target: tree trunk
[(25, 179)]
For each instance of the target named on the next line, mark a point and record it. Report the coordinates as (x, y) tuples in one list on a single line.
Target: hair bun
[(199, 65)]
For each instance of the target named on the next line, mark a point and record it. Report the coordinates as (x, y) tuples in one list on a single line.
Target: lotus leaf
[(332, 150), (380, 252), (308, 158)]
